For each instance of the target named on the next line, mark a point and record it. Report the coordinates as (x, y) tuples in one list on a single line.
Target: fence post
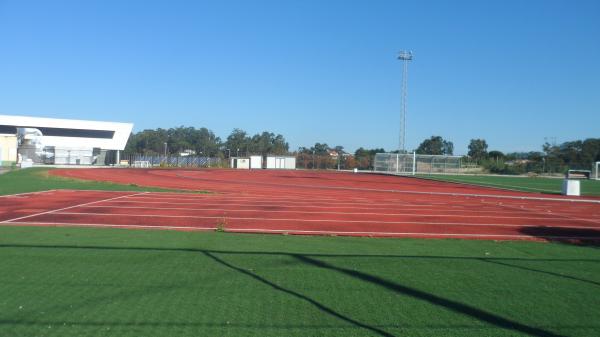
[(431, 165), (414, 168)]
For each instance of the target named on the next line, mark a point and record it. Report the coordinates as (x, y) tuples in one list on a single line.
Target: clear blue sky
[(511, 72)]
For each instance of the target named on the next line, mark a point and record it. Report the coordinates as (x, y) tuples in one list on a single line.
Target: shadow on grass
[(575, 236), (311, 259), (503, 263), (315, 303), (455, 306), (197, 250)]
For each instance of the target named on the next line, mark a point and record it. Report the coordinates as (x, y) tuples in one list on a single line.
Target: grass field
[(97, 282), (38, 179), (527, 184)]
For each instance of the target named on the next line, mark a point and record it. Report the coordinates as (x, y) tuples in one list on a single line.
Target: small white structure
[(571, 187), (240, 163), (8, 148), (256, 162), (281, 162)]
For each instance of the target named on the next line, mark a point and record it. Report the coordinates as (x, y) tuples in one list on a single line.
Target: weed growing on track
[(221, 225), (74, 282)]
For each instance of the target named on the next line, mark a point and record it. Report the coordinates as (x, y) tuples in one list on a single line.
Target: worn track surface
[(305, 202)]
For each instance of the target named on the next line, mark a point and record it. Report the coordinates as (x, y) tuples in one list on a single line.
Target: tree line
[(203, 142), (554, 158)]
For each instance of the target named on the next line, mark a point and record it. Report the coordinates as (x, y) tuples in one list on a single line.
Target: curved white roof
[(73, 133)]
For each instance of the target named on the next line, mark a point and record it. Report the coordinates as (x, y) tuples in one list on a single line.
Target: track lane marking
[(69, 207), (25, 193), (267, 230), (318, 220), (547, 217), (398, 191), (465, 207)]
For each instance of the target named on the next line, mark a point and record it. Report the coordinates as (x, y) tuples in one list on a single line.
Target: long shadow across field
[(311, 259), (315, 303), (504, 263)]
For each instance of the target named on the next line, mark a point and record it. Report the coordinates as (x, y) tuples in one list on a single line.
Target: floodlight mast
[(405, 57)]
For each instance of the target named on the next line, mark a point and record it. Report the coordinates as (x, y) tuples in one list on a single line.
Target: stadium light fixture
[(405, 57)]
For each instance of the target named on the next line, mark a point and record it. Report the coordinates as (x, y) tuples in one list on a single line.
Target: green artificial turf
[(110, 282), (527, 184), (38, 179)]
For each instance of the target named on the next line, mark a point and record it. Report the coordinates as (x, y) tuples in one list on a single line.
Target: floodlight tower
[(405, 56)]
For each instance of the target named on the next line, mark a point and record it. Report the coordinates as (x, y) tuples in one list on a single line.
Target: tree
[(364, 157), (436, 145), (267, 143), (237, 142), (478, 149), (496, 156)]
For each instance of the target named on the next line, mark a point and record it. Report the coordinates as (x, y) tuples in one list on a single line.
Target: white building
[(61, 141), (281, 162), (239, 163)]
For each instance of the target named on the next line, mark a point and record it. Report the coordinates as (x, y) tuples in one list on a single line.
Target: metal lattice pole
[(405, 56)]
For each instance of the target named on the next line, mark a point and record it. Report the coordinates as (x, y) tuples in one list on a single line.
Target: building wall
[(256, 162), (8, 149), (280, 162), (120, 131)]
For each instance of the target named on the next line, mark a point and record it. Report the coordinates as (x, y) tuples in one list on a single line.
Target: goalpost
[(596, 168), (412, 163)]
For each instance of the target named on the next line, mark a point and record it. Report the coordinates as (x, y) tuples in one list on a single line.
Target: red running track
[(305, 202)]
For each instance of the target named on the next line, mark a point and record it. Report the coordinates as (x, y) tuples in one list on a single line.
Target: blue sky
[(511, 72)]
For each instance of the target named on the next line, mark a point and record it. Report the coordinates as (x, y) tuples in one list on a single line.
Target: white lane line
[(24, 193), (299, 203), (257, 200), (564, 215), (317, 220), (301, 231), (419, 192), (69, 207), (71, 224), (240, 197), (547, 217), (478, 207)]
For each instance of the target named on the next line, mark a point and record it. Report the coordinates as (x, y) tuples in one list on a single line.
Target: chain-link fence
[(177, 161), (402, 163)]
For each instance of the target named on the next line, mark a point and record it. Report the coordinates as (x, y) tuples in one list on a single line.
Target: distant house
[(186, 153)]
